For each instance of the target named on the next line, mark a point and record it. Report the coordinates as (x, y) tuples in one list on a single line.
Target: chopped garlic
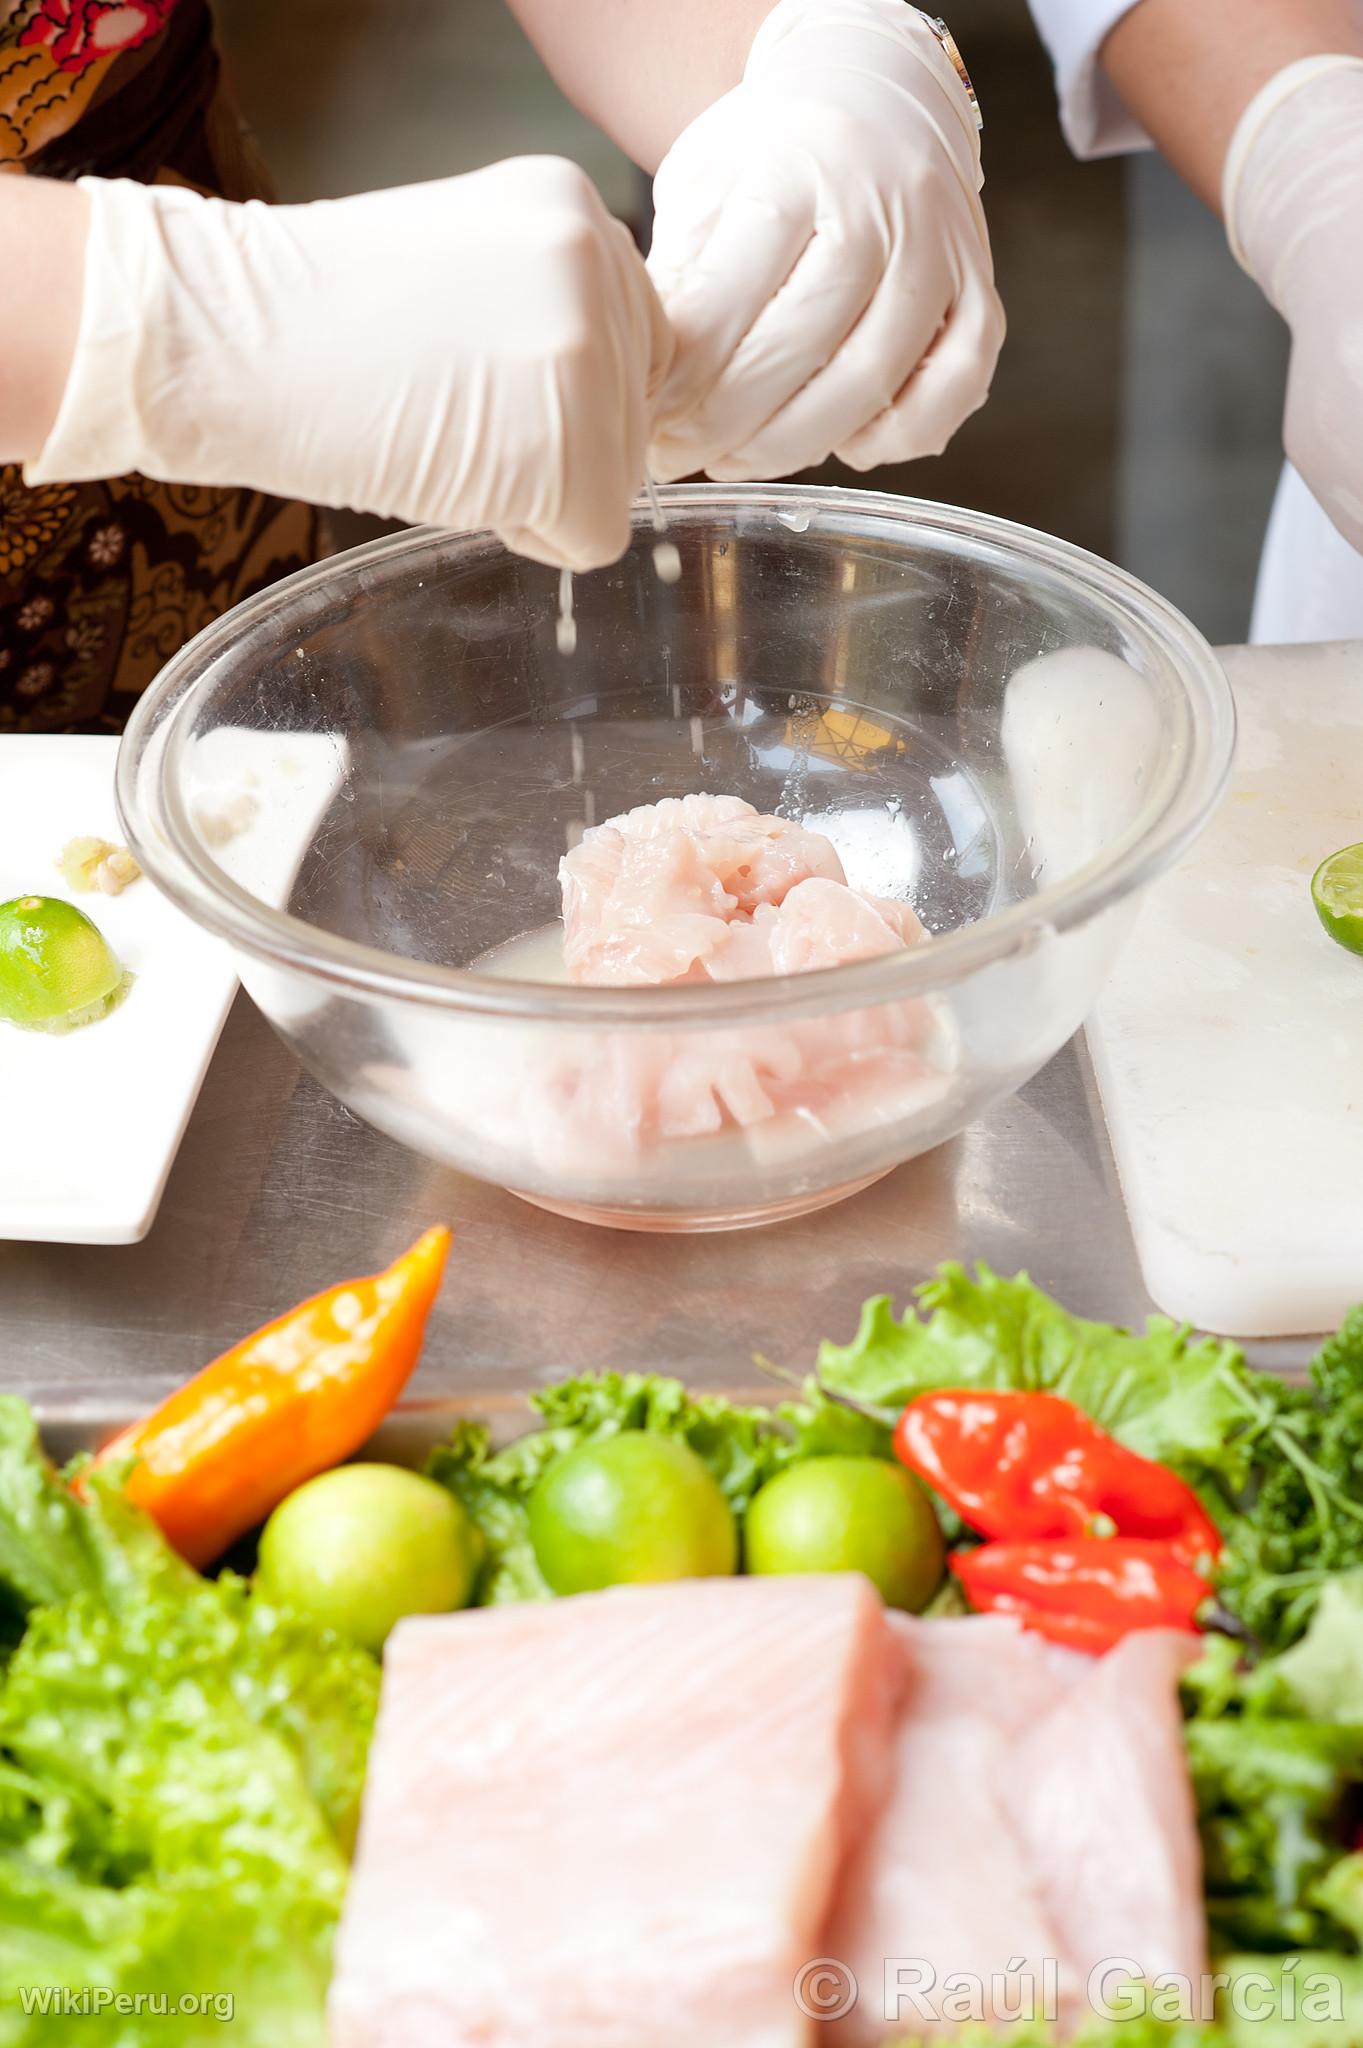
[(87, 864)]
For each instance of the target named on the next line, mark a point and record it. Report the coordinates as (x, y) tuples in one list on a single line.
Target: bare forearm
[(42, 259), (643, 69), (1188, 68)]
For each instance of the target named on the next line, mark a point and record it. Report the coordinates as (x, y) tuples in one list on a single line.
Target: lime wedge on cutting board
[(1337, 892), (57, 969)]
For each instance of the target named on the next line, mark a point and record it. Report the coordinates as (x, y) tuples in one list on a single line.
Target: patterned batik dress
[(101, 582)]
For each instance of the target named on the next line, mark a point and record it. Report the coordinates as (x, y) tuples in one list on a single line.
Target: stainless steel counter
[(279, 1191)]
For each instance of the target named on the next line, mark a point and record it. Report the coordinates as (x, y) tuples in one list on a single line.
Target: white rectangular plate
[(90, 1121)]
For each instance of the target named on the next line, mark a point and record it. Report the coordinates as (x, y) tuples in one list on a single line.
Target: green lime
[(359, 1547), (57, 969), (849, 1515), (630, 1509), (1337, 892)]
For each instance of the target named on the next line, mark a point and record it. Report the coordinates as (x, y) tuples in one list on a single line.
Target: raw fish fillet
[(705, 889), (817, 924), (648, 896), (696, 889), (1100, 1795), (1041, 1814), (613, 1821), (942, 1884)]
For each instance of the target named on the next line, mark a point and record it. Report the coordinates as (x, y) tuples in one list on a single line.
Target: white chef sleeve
[(1096, 122)]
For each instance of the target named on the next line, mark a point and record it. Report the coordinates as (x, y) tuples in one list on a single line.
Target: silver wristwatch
[(954, 58)]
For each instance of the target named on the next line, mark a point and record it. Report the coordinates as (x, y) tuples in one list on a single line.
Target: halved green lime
[(57, 969), (1337, 892)]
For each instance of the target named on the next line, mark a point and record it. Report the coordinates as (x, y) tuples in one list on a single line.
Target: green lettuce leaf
[(1162, 1392), (1324, 1671), (495, 1495), (1275, 1788), (199, 1859), (1340, 1894), (86, 1674), (818, 1427), (56, 1543), (1271, 1793), (44, 1552), (200, 1940), (1311, 1999), (181, 1766), (741, 1446)]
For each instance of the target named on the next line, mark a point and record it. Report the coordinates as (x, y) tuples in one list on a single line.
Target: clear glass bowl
[(365, 777)]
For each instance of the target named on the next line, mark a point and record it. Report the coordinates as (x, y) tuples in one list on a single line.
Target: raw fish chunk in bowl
[(784, 876)]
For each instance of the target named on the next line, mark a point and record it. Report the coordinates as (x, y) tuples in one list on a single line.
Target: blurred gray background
[(1136, 409)]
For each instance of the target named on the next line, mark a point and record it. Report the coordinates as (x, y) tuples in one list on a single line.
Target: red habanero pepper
[(1022, 1466), (1088, 1594)]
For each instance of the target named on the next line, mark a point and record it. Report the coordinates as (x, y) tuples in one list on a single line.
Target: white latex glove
[(477, 352), (1293, 202), (821, 251)]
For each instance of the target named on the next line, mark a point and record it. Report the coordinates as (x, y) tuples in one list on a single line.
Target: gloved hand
[(821, 251), (480, 351), (1293, 203)]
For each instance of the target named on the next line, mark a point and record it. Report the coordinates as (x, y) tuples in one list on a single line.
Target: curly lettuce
[(1160, 1391), (181, 1764)]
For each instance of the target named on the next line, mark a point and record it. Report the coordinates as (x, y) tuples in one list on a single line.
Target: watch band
[(955, 59)]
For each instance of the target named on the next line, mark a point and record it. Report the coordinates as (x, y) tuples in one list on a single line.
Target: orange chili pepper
[(294, 1399)]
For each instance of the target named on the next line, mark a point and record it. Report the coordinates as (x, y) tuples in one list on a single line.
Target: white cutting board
[(1228, 1042)]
